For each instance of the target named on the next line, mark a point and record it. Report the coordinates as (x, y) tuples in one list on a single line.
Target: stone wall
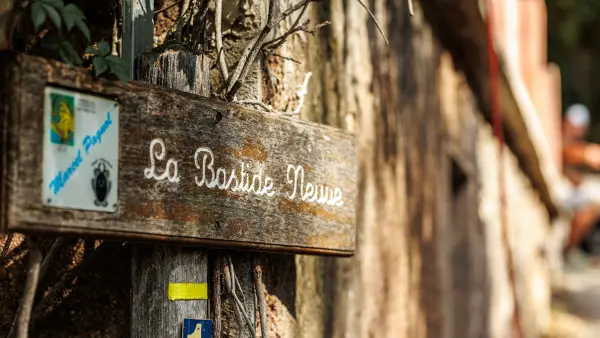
[(529, 230)]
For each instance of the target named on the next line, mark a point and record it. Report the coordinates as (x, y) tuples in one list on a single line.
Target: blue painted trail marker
[(197, 328)]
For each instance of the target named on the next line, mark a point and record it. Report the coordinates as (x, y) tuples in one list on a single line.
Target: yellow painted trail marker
[(187, 291)]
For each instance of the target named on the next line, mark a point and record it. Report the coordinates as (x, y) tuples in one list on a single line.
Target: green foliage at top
[(62, 17), (104, 62), (65, 18)]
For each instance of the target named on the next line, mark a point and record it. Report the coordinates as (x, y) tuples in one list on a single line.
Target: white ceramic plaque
[(81, 151)]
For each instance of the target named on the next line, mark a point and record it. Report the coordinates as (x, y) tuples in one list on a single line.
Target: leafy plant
[(104, 62), (64, 48), (59, 14), (73, 17), (65, 18)]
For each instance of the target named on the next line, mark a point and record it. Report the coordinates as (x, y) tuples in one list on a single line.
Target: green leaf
[(118, 67), (71, 14), (91, 50), (38, 15), (82, 26), (55, 3), (64, 54), (121, 75), (114, 59), (53, 14), (116, 62), (74, 56), (103, 48), (100, 65)]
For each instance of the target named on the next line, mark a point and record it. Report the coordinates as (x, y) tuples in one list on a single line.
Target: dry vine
[(22, 319), (233, 82), (259, 289), (7, 244), (231, 284)]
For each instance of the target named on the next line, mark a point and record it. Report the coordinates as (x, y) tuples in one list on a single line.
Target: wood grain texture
[(184, 212), (154, 267)]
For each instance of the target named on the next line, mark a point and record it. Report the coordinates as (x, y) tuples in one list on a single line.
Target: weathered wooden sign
[(190, 170)]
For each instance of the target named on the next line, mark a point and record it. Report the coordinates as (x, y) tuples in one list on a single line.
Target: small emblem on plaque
[(101, 183), (195, 328), (62, 119), (81, 151)]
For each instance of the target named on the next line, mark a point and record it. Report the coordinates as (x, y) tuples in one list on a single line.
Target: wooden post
[(154, 267), (138, 29)]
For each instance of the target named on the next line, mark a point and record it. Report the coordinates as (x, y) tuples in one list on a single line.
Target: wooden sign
[(190, 170)]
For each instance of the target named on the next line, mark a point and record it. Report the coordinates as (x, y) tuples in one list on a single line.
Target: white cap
[(578, 115)]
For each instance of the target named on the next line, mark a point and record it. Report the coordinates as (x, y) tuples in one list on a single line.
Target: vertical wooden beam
[(138, 29), (154, 267)]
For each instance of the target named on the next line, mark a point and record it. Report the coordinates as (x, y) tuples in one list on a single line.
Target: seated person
[(579, 155)]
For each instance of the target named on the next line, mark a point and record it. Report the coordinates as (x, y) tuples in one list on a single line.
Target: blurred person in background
[(580, 158)]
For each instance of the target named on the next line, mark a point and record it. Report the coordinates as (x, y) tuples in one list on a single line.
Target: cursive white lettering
[(171, 171), (213, 176), (309, 192)]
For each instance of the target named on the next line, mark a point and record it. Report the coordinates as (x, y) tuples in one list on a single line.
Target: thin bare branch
[(374, 20), (274, 44), (286, 58), (250, 52), (56, 291), (279, 41), (181, 19), (292, 9), (262, 304), (22, 320), (199, 24), (6, 247), (58, 243), (167, 7), (240, 310), (217, 296), (219, 40)]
